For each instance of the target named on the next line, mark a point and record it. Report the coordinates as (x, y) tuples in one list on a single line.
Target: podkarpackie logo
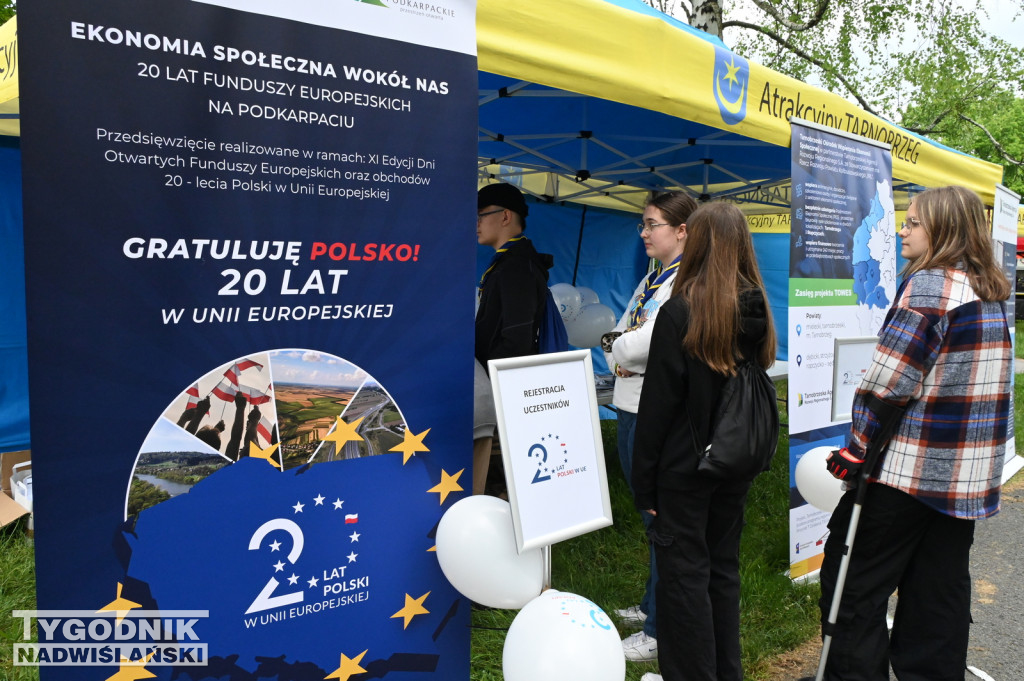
[(731, 83)]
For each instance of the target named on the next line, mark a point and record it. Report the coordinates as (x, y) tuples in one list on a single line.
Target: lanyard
[(494, 261), (653, 282)]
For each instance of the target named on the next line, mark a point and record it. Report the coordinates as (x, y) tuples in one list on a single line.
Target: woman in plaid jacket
[(943, 353)]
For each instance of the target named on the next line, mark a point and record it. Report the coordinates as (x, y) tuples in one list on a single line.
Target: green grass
[(17, 592)]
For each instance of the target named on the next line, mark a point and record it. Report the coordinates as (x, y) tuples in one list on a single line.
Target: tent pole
[(579, 245)]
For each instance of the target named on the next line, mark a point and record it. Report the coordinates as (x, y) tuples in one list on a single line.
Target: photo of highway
[(382, 426)]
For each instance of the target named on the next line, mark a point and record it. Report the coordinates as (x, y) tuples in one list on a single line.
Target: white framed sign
[(551, 446), (850, 361)]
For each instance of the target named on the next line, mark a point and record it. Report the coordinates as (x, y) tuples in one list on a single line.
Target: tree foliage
[(7, 10), (927, 65)]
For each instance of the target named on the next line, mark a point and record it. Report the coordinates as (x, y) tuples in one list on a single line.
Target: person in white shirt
[(663, 230)]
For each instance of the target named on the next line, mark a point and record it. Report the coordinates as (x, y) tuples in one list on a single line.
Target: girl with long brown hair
[(718, 316)]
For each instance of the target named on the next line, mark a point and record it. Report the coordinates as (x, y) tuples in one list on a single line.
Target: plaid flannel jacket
[(948, 354)]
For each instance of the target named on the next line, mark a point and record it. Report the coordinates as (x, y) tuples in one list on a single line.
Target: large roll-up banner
[(842, 282), (250, 262)]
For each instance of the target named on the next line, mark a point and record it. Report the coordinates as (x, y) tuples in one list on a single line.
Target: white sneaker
[(651, 676), (640, 647), (632, 615)]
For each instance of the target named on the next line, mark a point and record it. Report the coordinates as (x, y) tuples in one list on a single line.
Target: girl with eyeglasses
[(663, 231), (944, 354)]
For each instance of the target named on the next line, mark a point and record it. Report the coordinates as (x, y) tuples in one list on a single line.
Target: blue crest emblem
[(732, 80)]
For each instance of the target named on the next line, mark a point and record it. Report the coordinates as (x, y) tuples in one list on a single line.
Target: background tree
[(927, 65), (7, 10)]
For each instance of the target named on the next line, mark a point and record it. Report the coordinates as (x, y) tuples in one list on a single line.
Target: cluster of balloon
[(815, 484), (556, 635), (586, 318)]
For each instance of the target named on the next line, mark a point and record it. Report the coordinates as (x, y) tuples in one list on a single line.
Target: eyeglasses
[(481, 216), (909, 225), (649, 227)]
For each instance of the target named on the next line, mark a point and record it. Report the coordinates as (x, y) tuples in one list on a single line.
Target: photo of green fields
[(304, 415), (312, 390)]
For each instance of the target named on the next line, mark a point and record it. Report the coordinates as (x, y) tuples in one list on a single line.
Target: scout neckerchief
[(494, 261), (653, 282)]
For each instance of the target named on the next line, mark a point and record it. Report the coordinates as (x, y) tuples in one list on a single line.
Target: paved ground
[(997, 570)]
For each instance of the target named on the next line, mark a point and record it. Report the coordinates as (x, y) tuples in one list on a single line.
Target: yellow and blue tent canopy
[(604, 100)]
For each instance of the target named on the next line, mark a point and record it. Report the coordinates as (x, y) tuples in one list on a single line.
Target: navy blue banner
[(249, 272)]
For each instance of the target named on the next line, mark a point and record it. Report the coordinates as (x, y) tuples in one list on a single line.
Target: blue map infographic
[(874, 243)]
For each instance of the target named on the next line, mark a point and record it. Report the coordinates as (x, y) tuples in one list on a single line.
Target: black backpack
[(744, 427)]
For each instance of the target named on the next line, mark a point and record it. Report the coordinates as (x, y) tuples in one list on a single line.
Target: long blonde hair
[(718, 265), (954, 219)]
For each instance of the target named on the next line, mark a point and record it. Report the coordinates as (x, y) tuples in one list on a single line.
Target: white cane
[(891, 417)]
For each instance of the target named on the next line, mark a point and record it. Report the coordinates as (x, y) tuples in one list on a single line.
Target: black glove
[(843, 464)]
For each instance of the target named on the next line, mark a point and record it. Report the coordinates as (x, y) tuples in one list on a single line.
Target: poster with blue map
[(249, 251), (842, 282)]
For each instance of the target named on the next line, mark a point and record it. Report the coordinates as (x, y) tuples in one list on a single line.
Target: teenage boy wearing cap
[(512, 291)]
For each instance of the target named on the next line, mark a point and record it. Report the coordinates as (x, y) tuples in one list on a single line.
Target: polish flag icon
[(351, 518)]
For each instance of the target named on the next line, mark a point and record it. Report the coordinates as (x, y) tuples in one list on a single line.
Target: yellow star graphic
[(133, 671), (733, 69), (344, 432), (348, 667), (120, 605), (410, 445), (448, 484), (257, 453), (413, 607)]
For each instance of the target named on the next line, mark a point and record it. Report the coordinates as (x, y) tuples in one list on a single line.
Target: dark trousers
[(900, 544), (648, 604), (696, 538)]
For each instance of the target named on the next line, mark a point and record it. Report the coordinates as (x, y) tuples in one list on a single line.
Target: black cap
[(504, 195)]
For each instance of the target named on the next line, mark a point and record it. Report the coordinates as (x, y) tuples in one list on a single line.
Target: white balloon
[(559, 636), (568, 300), (815, 484), (588, 296), (476, 547), (592, 322)]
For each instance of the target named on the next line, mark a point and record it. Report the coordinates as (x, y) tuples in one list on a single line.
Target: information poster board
[(248, 227), (842, 282), (1004, 241), (551, 446)]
